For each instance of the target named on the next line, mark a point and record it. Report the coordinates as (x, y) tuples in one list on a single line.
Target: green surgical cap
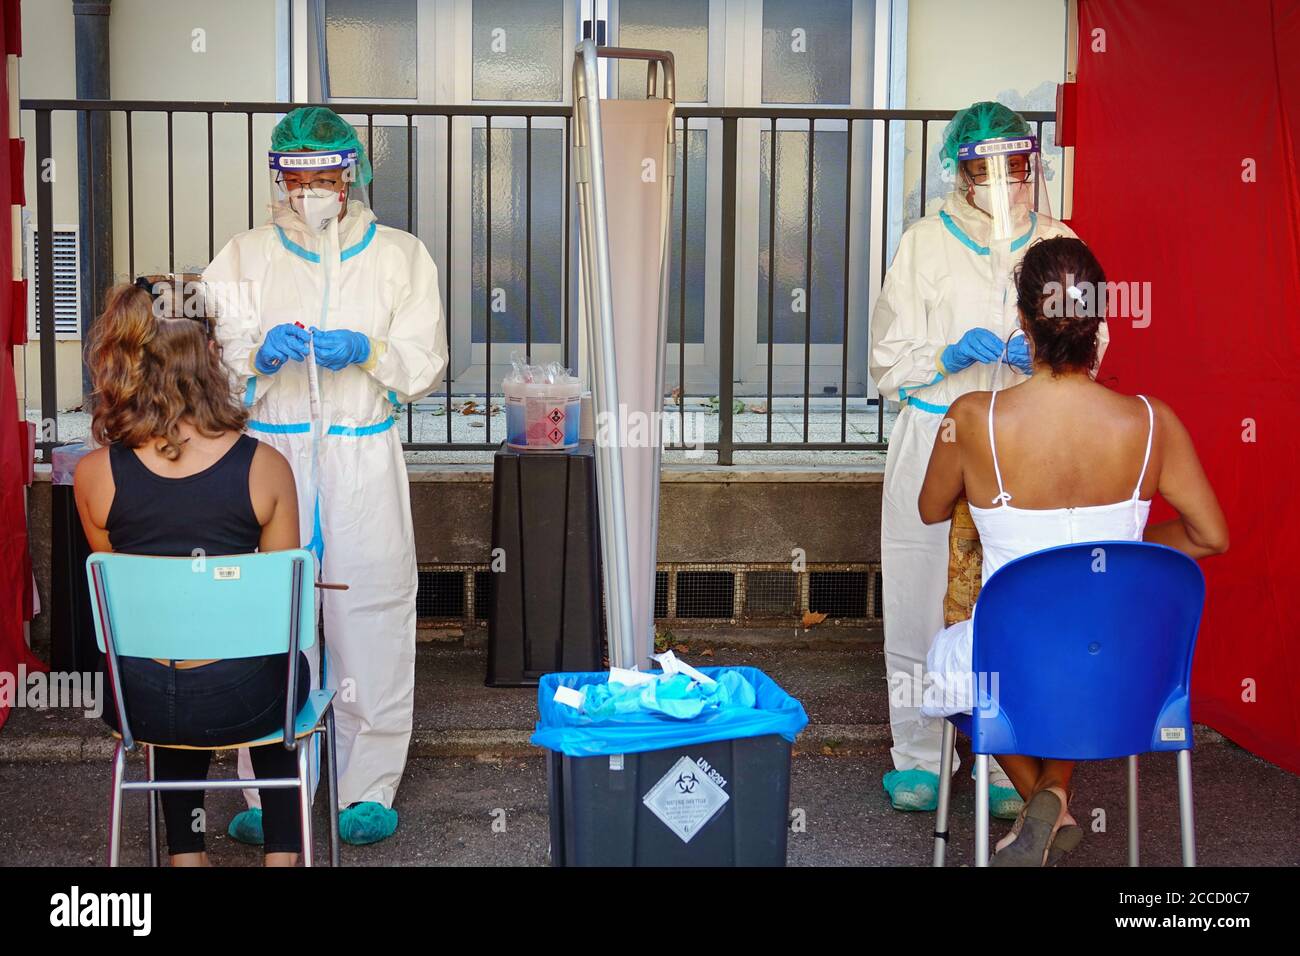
[(981, 121), (319, 127)]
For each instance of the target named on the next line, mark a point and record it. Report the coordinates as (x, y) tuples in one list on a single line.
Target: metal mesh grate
[(440, 594), (754, 594), (771, 594), (484, 582), (838, 593), (706, 594)]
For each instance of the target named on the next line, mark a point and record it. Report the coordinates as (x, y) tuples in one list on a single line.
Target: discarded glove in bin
[(680, 767), (661, 709)]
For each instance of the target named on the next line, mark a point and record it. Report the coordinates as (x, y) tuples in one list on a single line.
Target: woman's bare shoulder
[(270, 464), (1167, 421), (1158, 406), (93, 470), (972, 403)]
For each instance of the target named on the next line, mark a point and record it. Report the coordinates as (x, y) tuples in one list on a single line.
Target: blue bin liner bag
[(625, 719)]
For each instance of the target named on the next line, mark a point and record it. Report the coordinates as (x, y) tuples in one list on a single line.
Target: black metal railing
[(882, 122)]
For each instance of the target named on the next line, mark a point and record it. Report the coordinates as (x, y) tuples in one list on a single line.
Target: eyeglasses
[(290, 181), (1018, 171)]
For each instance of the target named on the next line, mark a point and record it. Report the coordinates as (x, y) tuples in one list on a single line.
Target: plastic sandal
[(1033, 844)]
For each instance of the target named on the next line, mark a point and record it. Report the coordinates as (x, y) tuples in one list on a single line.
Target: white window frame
[(430, 191), (865, 90), (701, 358), (468, 357), (307, 88)]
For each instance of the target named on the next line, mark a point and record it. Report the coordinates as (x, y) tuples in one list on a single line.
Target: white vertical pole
[(589, 176)]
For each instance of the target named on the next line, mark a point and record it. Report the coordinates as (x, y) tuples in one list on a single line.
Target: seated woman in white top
[(1063, 460)]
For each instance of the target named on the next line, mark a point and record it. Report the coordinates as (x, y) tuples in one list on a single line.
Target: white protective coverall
[(944, 281), (383, 283)]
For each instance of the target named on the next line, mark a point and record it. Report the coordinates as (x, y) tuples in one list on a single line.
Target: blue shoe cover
[(1004, 802), (914, 789), (367, 822), (246, 827)]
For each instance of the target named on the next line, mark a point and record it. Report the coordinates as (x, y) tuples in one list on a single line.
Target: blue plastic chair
[(1087, 655), (244, 605)]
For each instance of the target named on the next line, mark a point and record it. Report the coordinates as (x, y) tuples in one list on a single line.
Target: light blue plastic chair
[(1091, 647), (245, 605)]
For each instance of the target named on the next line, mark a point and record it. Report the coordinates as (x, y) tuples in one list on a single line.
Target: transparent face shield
[(314, 184), (1004, 178)]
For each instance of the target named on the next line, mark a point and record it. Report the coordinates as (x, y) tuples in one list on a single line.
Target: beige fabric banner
[(635, 135)]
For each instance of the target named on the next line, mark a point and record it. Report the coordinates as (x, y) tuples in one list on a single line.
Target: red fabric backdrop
[(15, 566), (1184, 94)]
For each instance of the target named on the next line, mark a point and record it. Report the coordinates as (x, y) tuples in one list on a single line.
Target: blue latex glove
[(1018, 355), (284, 343), (977, 345), (339, 348), (675, 696)]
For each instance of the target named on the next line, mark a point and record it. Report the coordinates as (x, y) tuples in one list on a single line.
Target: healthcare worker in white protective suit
[(330, 321), (944, 325)]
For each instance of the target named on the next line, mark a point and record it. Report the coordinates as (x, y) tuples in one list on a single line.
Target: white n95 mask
[(316, 207)]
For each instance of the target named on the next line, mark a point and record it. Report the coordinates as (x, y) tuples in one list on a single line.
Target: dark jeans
[(225, 702)]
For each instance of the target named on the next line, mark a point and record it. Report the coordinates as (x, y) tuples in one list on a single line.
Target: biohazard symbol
[(686, 782)]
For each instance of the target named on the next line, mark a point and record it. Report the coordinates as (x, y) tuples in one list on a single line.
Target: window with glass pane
[(390, 186), (370, 48), (519, 50), (510, 265), (823, 296), (679, 26), (695, 181), (807, 51)]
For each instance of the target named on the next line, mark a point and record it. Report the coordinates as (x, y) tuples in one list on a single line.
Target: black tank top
[(210, 510)]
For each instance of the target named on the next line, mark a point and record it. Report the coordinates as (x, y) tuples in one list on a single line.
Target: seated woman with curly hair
[(177, 477)]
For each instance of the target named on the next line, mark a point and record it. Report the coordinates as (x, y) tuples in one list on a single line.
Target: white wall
[(962, 51), (155, 54)]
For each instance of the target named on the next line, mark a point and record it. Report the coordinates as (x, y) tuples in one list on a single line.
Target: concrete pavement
[(475, 792)]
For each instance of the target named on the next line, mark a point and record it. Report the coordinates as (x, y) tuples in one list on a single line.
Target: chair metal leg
[(333, 786), (115, 805), (1185, 818), (153, 812), (1133, 810), (304, 797), (945, 791), (981, 809)]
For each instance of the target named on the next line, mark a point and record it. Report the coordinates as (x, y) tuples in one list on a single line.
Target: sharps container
[(542, 416)]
